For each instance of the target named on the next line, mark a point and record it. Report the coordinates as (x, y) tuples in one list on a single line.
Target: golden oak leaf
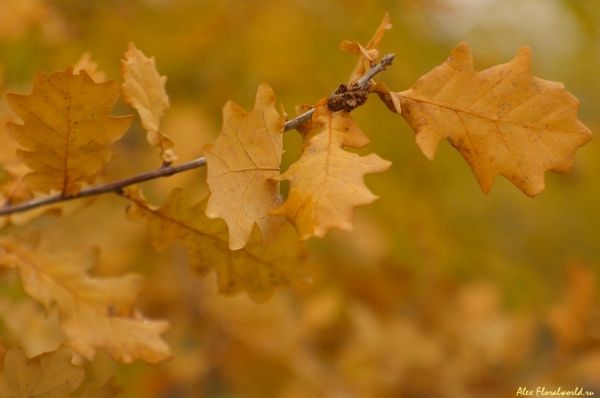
[(93, 312), (144, 90), (49, 375), (67, 132), (326, 184), (503, 120), (257, 270), (369, 52), (241, 163)]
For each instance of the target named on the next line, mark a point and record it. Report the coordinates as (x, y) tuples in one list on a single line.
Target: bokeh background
[(440, 291)]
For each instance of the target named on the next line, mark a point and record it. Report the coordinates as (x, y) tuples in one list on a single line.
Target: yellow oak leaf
[(369, 52), (49, 375), (241, 163), (504, 121), (326, 184), (93, 312), (67, 132), (257, 270), (144, 90)]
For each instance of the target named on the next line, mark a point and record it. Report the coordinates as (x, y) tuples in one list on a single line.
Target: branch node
[(347, 97)]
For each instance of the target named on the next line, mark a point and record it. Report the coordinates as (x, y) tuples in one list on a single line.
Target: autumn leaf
[(503, 120), (327, 182), (391, 99), (67, 132), (93, 313), (368, 53), (49, 375), (241, 164), (144, 90), (257, 270)]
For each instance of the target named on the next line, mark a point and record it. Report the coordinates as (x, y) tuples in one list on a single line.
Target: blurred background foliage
[(440, 291)]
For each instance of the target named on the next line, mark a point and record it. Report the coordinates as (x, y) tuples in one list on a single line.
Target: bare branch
[(364, 81), (167, 170), (386, 61), (115, 187)]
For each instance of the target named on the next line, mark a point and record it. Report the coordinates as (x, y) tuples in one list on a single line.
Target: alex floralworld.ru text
[(541, 391)]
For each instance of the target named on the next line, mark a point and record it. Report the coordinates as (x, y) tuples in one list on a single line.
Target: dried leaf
[(258, 271), (369, 52), (502, 120), (241, 163), (327, 182), (49, 375), (390, 99), (67, 132), (144, 90), (94, 313)]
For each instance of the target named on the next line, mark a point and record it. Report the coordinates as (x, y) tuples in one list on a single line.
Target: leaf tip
[(524, 57), (461, 54)]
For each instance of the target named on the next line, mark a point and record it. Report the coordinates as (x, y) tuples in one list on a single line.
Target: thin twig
[(165, 171), (386, 61), (115, 187)]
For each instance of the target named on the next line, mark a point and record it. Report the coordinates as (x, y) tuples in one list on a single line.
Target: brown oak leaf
[(327, 182), (257, 270), (241, 164), (504, 121), (67, 132)]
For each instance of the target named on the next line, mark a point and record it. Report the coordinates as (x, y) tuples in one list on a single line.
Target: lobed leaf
[(93, 312), (504, 121), (326, 184), (241, 163), (144, 90), (67, 132), (257, 270)]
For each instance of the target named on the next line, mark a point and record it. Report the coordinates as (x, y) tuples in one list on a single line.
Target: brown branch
[(115, 187), (167, 170), (364, 82)]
